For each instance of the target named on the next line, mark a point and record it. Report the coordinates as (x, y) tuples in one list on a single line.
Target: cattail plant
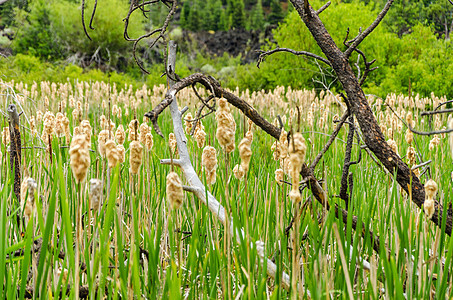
[(175, 192), (29, 187), (297, 150), (135, 158), (430, 193), (80, 157), (95, 193), (103, 136), (121, 153), (120, 135), (111, 152), (188, 122), (200, 134), (226, 126), (172, 143), (279, 176), (209, 162)]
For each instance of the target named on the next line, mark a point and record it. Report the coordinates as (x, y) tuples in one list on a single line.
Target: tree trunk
[(359, 107)]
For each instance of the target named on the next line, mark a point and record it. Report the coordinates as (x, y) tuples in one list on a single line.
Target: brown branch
[(329, 142), (264, 54), (211, 84), (323, 8), (161, 30), (93, 13), (346, 164), (435, 112), (357, 40), (83, 20), (370, 129)]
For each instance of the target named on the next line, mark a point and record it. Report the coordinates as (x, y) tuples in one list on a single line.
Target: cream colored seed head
[(33, 125), (112, 154), (135, 158), (409, 136), (226, 126), (80, 157), (132, 130), (39, 116), (86, 129), (276, 150), (430, 193), (5, 136), (75, 114), (410, 154), (120, 135), (245, 152), (49, 123), (149, 141), (121, 153), (66, 129), (175, 192), (238, 172), (283, 144), (95, 193), (295, 195), (188, 123), (298, 146), (103, 136), (29, 187), (144, 129), (200, 134), (59, 127), (172, 143), (279, 176), (209, 158)]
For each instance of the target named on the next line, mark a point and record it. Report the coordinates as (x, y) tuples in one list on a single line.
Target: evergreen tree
[(193, 19), (237, 14), (276, 15), (223, 24), (185, 11), (257, 16)]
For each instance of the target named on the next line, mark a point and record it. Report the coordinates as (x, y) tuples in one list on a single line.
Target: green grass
[(135, 245)]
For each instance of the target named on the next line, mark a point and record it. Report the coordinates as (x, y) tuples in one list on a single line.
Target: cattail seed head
[(29, 187), (226, 126), (111, 151), (149, 141), (103, 136), (200, 134), (175, 192), (430, 193), (209, 162), (173, 144), (135, 158), (85, 128), (279, 176), (120, 135), (245, 152), (188, 122), (410, 154), (5, 136), (121, 153), (80, 157), (144, 129), (238, 172), (95, 193), (409, 136)]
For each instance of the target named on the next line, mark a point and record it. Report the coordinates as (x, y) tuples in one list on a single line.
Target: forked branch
[(264, 54)]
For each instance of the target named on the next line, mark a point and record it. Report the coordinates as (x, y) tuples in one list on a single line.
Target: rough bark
[(371, 131)]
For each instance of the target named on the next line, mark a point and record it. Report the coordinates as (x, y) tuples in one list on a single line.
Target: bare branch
[(305, 53), (357, 40), (92, 14), (210, 83), (323, 8), (83, 20), (435, 112), (329, 142)]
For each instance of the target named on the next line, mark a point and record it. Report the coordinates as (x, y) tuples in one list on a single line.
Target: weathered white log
[(194, 182)]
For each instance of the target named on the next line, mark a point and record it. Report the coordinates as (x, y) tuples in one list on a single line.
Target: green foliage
[(257, 16), (38, 36), (53, 30), (276, 15)]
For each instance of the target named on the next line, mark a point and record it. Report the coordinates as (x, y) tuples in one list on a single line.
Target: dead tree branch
[(211, 84), (329, 142), (264, 54), (358, 39), (370, 129), (323, 8)]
